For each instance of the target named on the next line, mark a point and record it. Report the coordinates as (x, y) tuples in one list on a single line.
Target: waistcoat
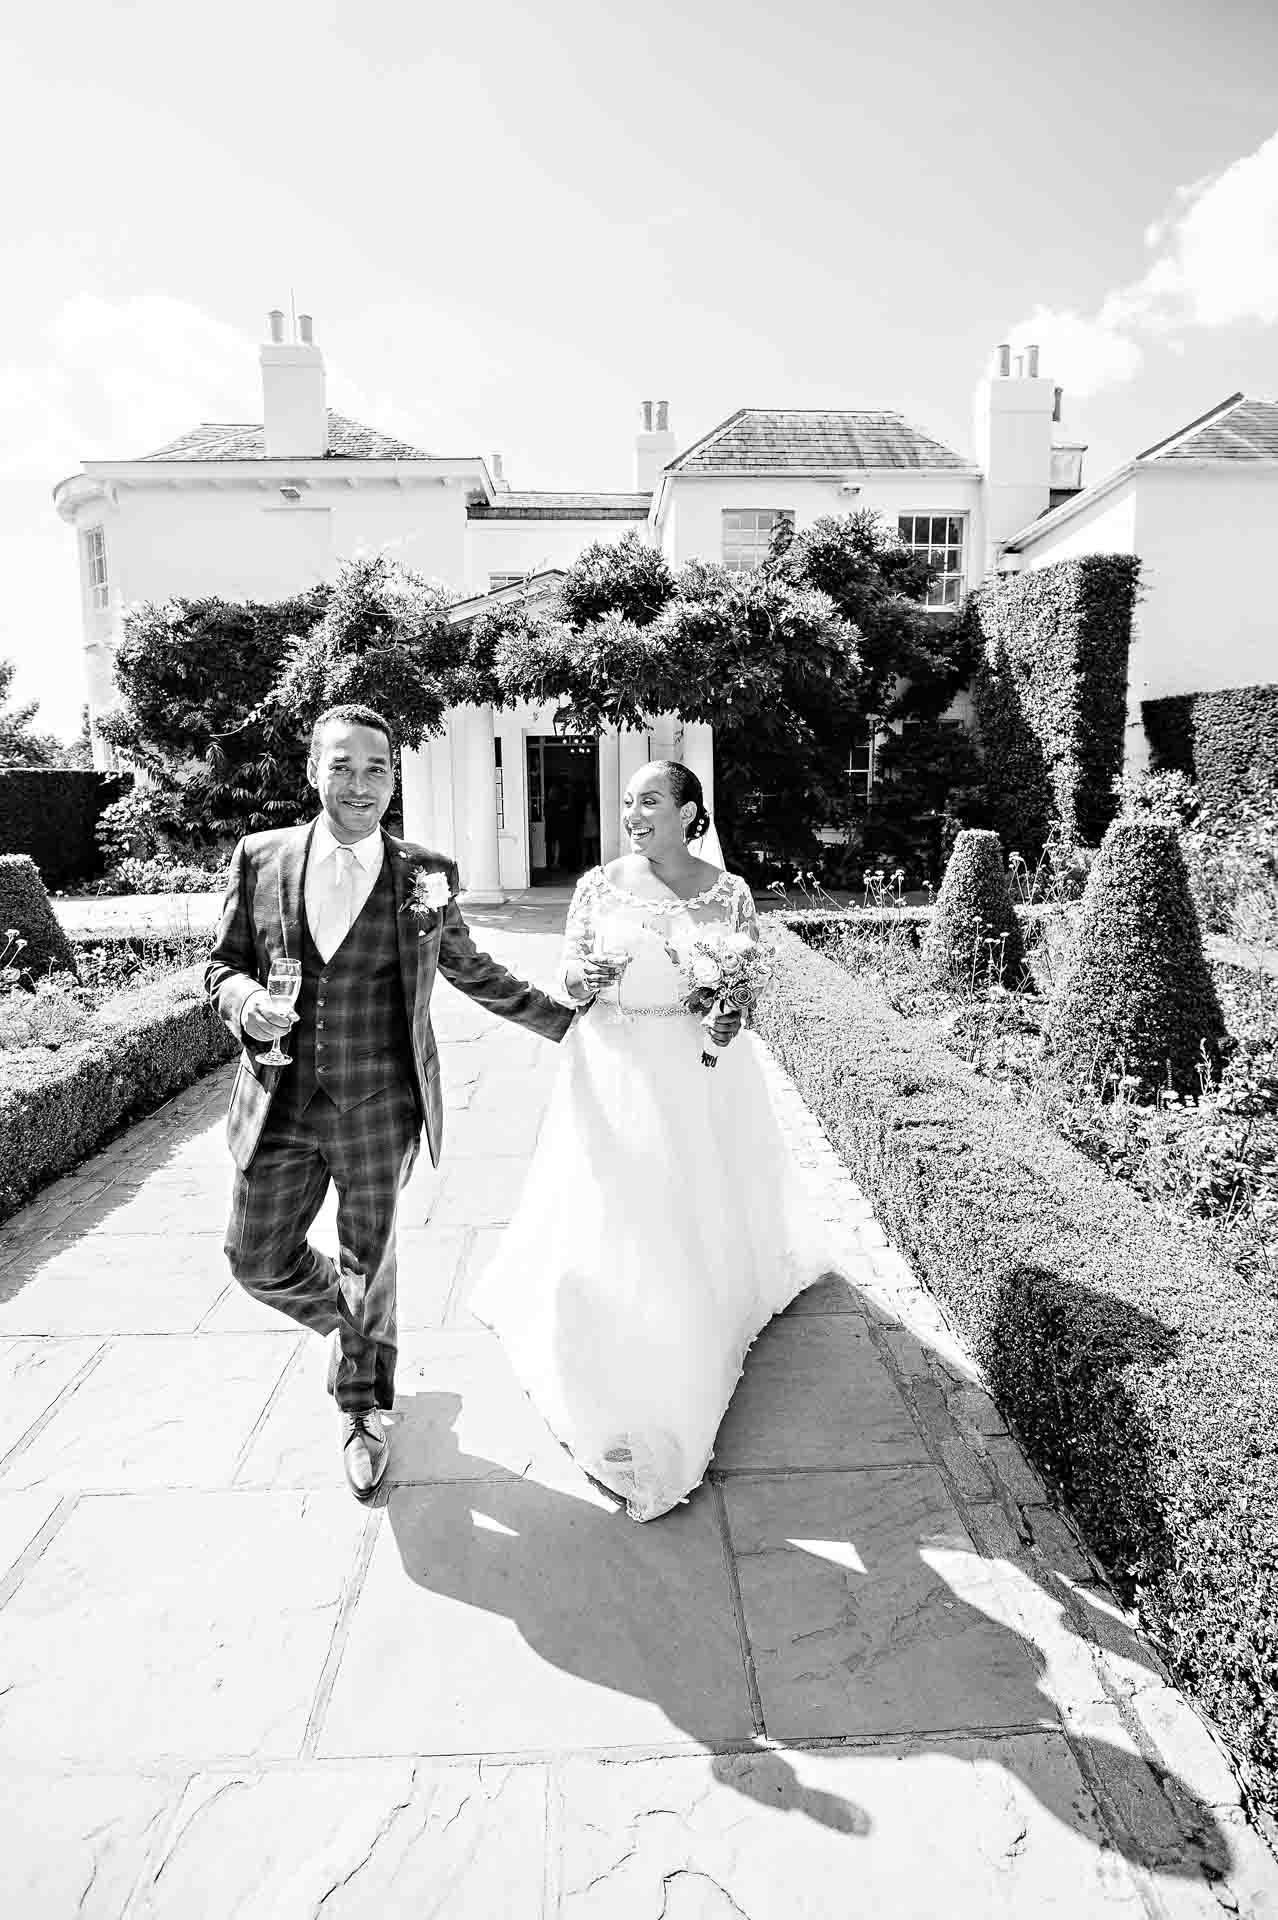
[(352, 1037)]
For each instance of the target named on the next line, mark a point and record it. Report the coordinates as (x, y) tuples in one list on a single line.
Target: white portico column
[(634, 750), (475, 805), (698, 756), (417, 784), (609, 797)]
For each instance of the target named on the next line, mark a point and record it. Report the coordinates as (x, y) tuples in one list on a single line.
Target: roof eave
[(1068, 510)]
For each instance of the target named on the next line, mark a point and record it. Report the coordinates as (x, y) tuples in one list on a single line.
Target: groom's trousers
[(367, 1152)]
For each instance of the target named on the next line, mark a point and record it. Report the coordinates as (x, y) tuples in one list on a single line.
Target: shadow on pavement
[(607, 1601)]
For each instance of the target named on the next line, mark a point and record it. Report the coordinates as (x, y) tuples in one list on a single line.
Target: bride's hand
[(725, 1026), (589, 974)]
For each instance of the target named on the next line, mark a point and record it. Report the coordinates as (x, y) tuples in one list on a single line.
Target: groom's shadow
[(648, 1612)]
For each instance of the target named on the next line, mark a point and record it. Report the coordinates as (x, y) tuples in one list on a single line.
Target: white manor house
[(258, 512)]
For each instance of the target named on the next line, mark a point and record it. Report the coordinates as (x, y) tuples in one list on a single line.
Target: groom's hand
[(263, 1018)]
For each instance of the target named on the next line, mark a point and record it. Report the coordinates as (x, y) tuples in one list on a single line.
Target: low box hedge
[(821, 927), (143, 1046), (1141, 1379)]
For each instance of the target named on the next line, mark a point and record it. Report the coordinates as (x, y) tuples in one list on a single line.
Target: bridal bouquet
[(720, 971)]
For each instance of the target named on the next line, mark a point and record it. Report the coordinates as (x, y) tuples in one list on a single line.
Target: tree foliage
[(785, 662), (218, 699), (20, 745)]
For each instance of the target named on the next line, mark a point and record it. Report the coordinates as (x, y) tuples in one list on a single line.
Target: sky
[(512, 224)]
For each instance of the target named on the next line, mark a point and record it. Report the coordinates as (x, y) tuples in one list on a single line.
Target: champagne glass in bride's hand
[(612, 949), (283, 984)]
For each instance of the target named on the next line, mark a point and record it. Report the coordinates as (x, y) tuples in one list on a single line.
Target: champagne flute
[(612, 949), (283, 984)]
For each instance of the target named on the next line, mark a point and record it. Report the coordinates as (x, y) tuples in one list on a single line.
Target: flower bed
[(1141, 1378), (60, 1098)]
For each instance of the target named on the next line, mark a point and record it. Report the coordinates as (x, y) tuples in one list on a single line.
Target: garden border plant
[(142, 1047), (1141, 1379)]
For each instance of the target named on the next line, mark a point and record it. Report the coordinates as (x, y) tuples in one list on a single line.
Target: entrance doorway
[(563, 808)]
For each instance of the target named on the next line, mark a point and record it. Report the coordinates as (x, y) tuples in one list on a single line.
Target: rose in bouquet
[(720, 971)]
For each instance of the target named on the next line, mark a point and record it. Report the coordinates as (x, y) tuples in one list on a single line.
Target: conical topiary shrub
[(24, 906), (974, 909), (1136, 995)]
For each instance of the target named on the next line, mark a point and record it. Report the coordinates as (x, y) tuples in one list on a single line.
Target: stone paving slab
[(157, 1411), (990, 1827), (390, 1837), (172, 1626), (815, 1394), (867, 1668), (868, 1609), (509, 1616)]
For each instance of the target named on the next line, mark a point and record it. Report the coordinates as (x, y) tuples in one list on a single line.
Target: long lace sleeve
[(579, 927), (744, 917)]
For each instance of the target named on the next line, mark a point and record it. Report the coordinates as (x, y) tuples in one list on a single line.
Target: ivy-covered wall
[(1219, 739), (1050, 692)]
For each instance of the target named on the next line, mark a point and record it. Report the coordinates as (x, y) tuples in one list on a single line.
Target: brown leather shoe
[(365, 1452)]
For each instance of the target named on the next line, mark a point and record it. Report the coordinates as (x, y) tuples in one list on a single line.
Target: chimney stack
[(654, 446), (294, 408), (1014, 413)]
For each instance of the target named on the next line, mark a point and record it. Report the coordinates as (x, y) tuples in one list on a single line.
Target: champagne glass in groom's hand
[(283, 984)]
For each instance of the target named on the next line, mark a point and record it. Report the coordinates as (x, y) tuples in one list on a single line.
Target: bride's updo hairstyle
[(684, 786)]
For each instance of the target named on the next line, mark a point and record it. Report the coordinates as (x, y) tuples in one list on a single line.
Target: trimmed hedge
[(24, 904), (1218, 739), (1136, 995), (825, 927), (52, 814), (1050, 694), (56, 1108), (973, 906), (1142, 1380)]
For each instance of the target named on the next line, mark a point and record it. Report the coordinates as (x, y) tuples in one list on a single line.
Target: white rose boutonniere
[(430, 894)]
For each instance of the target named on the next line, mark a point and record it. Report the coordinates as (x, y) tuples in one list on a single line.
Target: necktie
[(338, 909)]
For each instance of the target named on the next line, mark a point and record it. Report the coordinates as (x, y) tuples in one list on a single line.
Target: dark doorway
[(563, 808)]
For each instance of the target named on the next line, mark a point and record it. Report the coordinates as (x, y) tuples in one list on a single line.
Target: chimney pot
[(663, 416), (1056, 404), (1004, 361), (498, 475), (304, 326), (647, 416), (275, 321), (1031, 362)]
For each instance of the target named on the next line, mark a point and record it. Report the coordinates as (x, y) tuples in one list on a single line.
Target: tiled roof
[(563, 506), (778, 439), (1238, 430), (347, 440)]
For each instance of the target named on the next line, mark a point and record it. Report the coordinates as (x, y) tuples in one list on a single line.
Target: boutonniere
[(430, 894)]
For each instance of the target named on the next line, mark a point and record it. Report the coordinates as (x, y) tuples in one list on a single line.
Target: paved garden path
[(865, 1670)]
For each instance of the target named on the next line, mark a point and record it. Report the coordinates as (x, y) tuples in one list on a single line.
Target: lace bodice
[(603, 914)]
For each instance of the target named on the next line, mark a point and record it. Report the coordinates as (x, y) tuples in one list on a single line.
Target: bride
[(663, 1221)]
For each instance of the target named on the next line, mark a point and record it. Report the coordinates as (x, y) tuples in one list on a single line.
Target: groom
[(371, 919)]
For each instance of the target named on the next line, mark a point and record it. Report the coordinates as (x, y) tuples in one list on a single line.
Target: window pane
[(905, 526), (939, 528), (956, 533)]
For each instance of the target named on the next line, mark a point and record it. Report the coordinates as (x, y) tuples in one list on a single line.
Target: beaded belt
[(662, 1012)]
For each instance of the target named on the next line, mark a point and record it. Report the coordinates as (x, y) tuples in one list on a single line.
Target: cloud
[(1215, 264)]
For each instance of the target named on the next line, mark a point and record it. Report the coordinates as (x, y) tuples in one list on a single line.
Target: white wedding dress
[(663, 1221)]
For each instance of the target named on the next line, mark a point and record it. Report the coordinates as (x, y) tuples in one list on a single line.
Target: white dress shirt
[(321, 875)]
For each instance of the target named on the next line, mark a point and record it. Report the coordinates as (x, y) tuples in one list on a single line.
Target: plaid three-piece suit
[(364, 1079)]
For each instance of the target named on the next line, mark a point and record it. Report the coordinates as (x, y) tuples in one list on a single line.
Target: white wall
[(529, 546), (1108, 527), (1202, 620), (241, 541), (692, 525)]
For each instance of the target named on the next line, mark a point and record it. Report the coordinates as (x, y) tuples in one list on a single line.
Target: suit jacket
[(262, 919)]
